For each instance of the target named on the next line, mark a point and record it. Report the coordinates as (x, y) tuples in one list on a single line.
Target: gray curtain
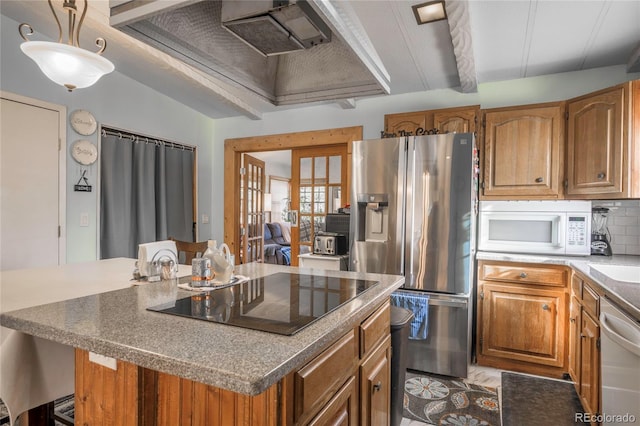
[(146, 194)]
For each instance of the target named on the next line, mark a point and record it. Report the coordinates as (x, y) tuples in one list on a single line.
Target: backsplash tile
[(624, 225)]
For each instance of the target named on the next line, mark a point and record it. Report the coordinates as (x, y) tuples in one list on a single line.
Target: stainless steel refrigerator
[(413, 213)]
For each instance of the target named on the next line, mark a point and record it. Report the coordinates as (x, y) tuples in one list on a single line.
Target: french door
[(318, 187), (252, 189)]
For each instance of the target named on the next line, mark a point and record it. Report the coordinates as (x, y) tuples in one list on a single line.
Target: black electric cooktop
[(281, 303)]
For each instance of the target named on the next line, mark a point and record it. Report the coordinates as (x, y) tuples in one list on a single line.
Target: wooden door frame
[(234, 148)]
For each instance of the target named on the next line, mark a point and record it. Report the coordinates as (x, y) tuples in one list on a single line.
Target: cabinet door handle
[(573, 320), (377, 386), (601, 175), (545, 307), (539, 179), (523, 275)]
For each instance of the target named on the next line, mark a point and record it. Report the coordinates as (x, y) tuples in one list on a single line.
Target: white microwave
[(544, 227)]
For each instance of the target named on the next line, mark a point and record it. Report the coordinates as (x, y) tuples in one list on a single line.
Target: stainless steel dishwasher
[(620, 352)]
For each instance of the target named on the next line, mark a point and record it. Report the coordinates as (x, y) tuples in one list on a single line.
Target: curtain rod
[(146, 139)]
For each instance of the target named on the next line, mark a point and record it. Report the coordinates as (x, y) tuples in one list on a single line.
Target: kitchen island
[(176, 370)]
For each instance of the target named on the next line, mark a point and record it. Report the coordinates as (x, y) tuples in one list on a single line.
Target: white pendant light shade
[(69, 66)]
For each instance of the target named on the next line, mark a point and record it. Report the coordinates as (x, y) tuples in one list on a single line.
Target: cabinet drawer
[(316, 382), (342, 409), (590, 301), (576, 287), (549, 276), (375, 328)]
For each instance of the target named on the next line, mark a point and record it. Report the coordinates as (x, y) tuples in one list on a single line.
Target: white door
[(32, 194)]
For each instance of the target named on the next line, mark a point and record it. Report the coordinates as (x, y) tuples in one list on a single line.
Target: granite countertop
[(117, 324), (624, 294)]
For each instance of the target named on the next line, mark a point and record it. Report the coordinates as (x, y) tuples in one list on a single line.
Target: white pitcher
[(222, 265)]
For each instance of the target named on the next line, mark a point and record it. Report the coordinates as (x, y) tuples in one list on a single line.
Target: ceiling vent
[(274, 27), (239, 43)]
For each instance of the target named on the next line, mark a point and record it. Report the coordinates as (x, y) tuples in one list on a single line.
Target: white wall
[(115, 100)]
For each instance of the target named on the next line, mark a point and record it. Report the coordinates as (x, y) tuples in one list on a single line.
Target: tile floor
[(485, 376)]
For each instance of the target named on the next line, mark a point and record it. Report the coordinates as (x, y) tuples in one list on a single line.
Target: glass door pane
[(320, 185), (252, 210)]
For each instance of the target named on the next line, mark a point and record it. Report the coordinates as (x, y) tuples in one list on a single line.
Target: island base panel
[(135, 396)]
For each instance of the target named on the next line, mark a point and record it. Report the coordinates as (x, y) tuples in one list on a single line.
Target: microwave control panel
[(577, 234)]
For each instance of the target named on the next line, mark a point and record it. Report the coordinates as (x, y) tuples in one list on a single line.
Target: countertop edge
[(209, 374)]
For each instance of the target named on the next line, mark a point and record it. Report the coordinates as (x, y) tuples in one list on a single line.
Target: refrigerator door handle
[(455, 303)]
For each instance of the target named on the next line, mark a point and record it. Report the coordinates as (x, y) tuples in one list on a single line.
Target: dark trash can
[(400, 321)]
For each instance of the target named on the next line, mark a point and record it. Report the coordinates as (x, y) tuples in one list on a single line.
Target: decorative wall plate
[(83, 122), (84, 152)]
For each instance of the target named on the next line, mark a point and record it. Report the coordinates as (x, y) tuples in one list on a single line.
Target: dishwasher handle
[(608, 324)]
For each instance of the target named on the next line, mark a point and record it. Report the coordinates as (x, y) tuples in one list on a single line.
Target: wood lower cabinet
[(317, 382), (584, 345), (375, 386), (522, 310), (603, 140), (342, 409), (573, 357), (523, 149), (342, 385)]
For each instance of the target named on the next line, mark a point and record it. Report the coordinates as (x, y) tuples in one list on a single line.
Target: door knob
[(377, 386), (538, 180), (601, 175), (545, 307), (523, 275)]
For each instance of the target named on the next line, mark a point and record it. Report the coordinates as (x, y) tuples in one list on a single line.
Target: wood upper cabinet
[(456, 120), (603, 131), (523, 152), (459, 120), (408, 123), (521, 317)]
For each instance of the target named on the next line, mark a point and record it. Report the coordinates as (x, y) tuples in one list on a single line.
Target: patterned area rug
[(438, 400)]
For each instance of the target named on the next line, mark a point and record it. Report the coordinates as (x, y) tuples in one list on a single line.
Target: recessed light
[(429, 12)]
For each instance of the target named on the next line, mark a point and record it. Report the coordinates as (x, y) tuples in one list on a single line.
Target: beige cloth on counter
[(34, 371)]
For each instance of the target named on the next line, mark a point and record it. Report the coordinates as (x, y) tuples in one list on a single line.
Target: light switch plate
[(84, 219), (205, 218)]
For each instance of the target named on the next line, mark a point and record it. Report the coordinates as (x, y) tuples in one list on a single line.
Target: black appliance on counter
[(600, 235), (338, 223)]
